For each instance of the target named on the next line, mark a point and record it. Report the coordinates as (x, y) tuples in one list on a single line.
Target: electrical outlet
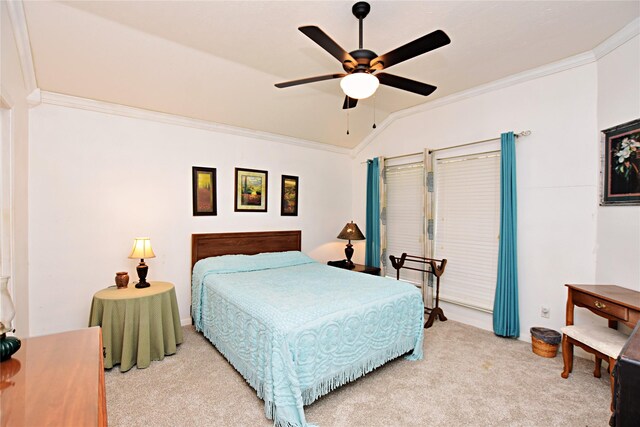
[(545, 311)]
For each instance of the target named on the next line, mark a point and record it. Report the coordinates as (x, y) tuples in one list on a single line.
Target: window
[(404, 216), (467, 227)]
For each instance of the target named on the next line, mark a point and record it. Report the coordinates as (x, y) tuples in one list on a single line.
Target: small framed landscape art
[(251, 190), (289, 196), (621, 164), (204, 191)]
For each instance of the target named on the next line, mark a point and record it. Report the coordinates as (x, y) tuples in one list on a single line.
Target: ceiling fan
[(359, 81)]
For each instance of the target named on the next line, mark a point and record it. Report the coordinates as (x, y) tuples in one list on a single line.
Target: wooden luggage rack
[(436, 267)]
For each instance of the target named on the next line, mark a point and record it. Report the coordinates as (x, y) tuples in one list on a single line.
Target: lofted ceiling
[(219, 60)]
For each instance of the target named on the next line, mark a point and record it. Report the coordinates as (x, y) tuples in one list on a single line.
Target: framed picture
[(621, 164), (289, 196), (251, 190), (204, 191)]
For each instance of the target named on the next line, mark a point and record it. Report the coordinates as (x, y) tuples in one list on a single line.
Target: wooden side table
[(138, 325), (614, 303), (367, 269), (359, 268), (55, 380)]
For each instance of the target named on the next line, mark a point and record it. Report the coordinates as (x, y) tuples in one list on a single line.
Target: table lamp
[(350, 232), (8, 345), (142, 249)]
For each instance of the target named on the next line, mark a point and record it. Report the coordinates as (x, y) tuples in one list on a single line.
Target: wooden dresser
[(55, 380)]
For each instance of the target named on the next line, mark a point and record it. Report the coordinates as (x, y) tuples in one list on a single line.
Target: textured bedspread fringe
[(248, 374), (310, 395), (252, 378)]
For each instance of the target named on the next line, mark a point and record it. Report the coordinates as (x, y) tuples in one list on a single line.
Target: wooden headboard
[(250, 243)]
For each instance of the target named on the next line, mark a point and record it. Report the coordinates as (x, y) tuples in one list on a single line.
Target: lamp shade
[(351, 232), (359, 85), (142, 248)]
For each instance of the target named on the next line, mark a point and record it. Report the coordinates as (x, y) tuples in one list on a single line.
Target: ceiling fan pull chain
[(348, 115), (374, 111)]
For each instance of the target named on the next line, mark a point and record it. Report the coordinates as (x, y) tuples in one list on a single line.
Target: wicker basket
[(543, 349)]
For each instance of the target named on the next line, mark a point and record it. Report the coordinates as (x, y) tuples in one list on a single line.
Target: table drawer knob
[(600, 305)]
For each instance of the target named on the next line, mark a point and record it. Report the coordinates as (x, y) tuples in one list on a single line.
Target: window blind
[(404, 216), (467, 227)]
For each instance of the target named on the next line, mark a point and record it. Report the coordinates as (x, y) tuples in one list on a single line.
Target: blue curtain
[(372, 233), (506, 322)]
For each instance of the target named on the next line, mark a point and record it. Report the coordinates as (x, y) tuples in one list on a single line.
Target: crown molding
[(629, 31), (6, 101), (34, 98), (53, 98), (535, 73), (21, 35)]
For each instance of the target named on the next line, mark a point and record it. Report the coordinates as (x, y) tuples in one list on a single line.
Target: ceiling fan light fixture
[(359, 85)]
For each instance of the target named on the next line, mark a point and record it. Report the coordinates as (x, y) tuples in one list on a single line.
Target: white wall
[(557, 177), (618, 254), (15, 143), (98, 180)]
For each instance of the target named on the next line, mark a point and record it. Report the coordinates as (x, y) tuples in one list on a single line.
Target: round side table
[(138, 325)]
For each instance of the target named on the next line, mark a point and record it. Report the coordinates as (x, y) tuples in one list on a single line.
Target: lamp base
[(8, 346), (348, 252), (142, 270)]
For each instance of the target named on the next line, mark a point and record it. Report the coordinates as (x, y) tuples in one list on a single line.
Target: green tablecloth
[(138, 325)]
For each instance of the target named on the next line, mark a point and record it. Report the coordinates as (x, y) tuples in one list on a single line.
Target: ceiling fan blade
[(327, 43), (349, 103), (405, 84), (412, 49), (309, 80)]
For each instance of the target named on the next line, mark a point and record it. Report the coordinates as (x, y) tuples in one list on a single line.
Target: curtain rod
[(517, 135)]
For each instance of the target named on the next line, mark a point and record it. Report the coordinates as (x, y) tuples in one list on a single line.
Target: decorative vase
[(122, 279)]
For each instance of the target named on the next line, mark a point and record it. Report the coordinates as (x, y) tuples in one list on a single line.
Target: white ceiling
[(218, 60)]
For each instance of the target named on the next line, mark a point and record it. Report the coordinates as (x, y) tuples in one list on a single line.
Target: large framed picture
[(204, 191), (289, 196), (621, 164), (251, 190)]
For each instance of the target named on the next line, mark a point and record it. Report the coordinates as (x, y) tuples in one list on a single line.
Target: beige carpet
[(469, 377)]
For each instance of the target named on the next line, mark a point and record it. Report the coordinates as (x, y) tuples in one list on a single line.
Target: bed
[(294, 328)]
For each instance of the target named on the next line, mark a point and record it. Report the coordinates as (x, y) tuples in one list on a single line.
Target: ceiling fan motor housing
[(363, 58)]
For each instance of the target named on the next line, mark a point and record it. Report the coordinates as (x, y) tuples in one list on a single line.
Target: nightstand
[(138, 325), (359, 268)]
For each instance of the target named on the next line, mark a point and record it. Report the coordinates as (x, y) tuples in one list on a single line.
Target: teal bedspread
[(296, 329)]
